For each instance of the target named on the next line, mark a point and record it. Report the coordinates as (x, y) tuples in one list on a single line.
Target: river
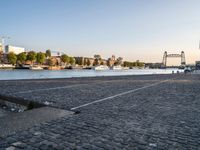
[(42, 74)]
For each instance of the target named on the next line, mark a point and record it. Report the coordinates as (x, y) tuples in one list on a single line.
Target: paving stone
[(165, 116), (11, 148)]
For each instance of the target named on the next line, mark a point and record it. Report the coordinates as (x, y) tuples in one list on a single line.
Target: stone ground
[(3, 113), (127, 112)]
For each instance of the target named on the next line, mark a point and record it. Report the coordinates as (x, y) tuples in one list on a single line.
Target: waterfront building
[(56, 60), (84, 61), (3, 58), (89, 61), (111, 61), (103, 62), (14, 49), (79, 60)]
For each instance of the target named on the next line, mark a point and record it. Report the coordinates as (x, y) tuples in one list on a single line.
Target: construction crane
[(3, 41)]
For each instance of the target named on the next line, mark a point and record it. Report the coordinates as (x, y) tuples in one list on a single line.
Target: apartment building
[(14, 49)]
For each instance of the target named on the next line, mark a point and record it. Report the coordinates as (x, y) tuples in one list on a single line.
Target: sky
[(133, 29)]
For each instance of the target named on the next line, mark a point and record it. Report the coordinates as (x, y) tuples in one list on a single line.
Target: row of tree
[(67, 60), (133, 64), (23, 57), (98, 61), (39, 58)]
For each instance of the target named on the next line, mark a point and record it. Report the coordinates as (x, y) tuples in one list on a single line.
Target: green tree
[(21, 57), (48, 53), (81, 61), (141, 64), (102, 63), (71, 60), (12, 58), (134, 64), (119, 61), (126, 64), (40, 57), (65, 58), (85, 62), (31, 56), (50, 62), (88, 62), (137, 63), (97, 59)]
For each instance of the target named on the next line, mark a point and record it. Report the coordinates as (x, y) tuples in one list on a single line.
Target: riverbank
[(116, 112)]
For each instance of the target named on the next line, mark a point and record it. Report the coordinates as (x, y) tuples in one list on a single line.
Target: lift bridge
[(166, 55)]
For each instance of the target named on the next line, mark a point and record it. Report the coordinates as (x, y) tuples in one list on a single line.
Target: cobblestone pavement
[(163, 116), (3, 112)]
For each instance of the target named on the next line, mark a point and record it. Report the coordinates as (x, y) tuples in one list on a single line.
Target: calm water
[(41, 74)]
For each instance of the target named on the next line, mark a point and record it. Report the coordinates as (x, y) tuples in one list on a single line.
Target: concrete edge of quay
[(27, 119)]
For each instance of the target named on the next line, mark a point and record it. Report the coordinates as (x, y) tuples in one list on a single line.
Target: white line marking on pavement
[(61, 87), (65, 87), (117, 95), (55, 88)]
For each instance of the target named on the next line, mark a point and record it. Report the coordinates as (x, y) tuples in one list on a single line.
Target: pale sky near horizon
[(133, 29)]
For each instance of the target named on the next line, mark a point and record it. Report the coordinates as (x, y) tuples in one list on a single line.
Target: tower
[(2, 42), (183, 61), (165, 59), (1, 48)]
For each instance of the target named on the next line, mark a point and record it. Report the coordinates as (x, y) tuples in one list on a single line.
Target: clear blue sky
[(133, 29)]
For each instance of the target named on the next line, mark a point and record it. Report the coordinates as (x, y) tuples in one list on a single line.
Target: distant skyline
[(133, 29)]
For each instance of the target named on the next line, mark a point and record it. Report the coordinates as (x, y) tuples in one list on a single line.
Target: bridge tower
[(166, 55), (183, 61), (165, 59)]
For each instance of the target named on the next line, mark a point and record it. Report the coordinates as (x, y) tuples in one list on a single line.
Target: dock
[(121, 112)]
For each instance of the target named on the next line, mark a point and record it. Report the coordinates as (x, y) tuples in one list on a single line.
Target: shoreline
[(95, 77), (26, 74)]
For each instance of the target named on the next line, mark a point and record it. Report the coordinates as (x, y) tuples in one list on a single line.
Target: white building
[(14, 49), (1, 48)]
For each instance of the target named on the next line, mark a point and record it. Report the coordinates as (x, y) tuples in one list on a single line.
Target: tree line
[(40, 58), (97, 60), (133, 64), (37, 57)]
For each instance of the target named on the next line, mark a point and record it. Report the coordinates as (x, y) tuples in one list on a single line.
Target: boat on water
[(101, 67), (55, 68), (35, 68), (88, 67), (6, 66), (116, 67), (23, 67), (125, 68)]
